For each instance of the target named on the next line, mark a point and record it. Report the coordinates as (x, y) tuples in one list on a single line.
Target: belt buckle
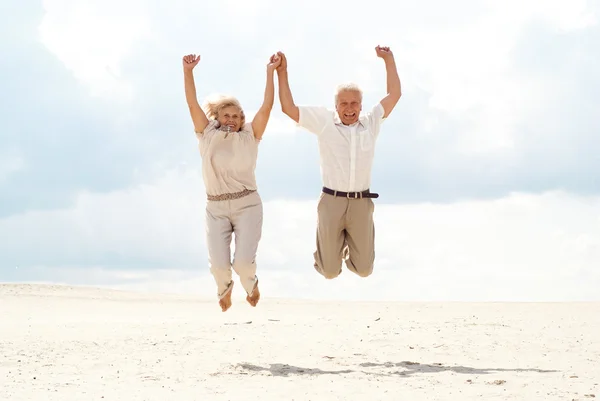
[(348, 195)]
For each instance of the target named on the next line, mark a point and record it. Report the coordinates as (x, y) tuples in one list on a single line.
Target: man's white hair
[(347, 87)]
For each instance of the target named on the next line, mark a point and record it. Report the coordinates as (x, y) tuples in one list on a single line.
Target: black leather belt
[(351, 195)]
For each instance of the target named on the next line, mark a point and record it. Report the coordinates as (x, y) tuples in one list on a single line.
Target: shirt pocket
[(366, 140)]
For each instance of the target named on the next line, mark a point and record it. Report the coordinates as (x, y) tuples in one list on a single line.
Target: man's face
[(348, 107)]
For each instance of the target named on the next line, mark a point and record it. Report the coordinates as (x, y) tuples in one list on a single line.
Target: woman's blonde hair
[(215, 103)]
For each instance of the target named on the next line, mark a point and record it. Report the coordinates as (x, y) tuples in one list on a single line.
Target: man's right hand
[(190, 61), (283, 65)]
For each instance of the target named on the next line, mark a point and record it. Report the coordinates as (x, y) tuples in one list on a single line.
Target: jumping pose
[(345, 228), (229, 148)]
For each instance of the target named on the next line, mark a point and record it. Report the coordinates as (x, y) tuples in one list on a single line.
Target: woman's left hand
[(274, 62)]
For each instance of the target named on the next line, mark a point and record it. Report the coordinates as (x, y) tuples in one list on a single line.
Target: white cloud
[(159, 223), (91, 38), (279, 123), (565, 15), (462, 57), (467, 67), (522, 247)]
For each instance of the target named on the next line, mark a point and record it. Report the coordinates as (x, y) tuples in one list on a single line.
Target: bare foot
[(253, 300), (225, 302)]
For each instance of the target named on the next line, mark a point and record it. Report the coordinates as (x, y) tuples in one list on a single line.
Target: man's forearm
[(285, 93), (393, 80), (394, 90), (285, 96)]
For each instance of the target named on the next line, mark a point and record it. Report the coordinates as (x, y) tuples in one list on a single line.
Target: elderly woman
[(229, 147)]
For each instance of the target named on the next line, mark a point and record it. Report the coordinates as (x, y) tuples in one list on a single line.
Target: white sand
[(64, 343)]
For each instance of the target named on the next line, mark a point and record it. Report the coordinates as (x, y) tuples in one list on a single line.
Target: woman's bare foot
[(253, 299), (225, 302)]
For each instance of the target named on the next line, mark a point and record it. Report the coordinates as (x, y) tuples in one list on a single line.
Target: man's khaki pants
[(345, 232), (244, 218)]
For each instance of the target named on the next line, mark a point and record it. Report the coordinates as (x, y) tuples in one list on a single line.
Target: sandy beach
[(77, 343)]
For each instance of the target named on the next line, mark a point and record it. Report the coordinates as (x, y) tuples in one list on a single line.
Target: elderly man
[(345, 228)]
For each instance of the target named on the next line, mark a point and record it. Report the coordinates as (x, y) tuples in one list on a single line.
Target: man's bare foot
[(253, 300), (225, 302)]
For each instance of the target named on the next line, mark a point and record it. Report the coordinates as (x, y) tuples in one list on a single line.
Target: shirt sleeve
[(314, 119), (208, 130), (248, 132), (376, 118), (205, 136)]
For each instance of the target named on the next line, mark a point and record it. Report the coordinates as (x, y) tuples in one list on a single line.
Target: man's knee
[(327, 264), (364, 271), (361, 268), (330, 274), (329, 270)]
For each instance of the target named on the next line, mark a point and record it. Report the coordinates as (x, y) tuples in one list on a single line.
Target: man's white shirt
[(346, 151)]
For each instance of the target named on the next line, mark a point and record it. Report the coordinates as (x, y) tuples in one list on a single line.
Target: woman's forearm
[(198, 117)]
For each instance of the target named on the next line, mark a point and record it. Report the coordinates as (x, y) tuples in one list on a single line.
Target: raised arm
[(260, 120), (394, 90), (198, 117), (285, 93)]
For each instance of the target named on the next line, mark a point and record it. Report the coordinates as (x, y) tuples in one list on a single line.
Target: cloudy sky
[(488, 169)]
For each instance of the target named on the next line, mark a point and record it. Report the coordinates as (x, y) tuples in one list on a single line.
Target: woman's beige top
[(228, 159)]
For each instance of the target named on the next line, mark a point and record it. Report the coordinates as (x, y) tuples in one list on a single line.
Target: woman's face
[(231, 117)]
